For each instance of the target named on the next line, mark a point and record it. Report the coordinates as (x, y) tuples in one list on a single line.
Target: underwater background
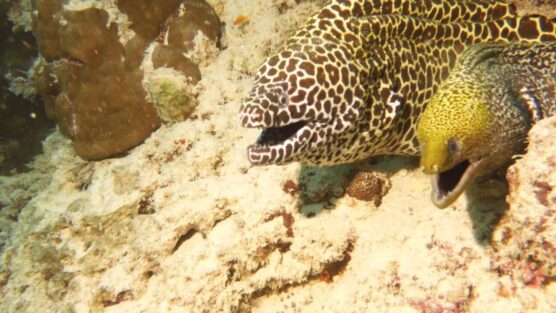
[(125, 186)]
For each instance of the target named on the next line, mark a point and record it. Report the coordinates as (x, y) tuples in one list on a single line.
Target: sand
[(184, 223)]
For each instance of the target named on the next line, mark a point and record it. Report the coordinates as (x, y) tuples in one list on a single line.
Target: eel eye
[(283, 100), (453, 147)]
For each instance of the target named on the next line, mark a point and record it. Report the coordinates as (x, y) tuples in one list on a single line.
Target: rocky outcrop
[(525, 239)]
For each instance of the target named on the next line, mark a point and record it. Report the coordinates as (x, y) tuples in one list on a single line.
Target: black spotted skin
[(354, 80)]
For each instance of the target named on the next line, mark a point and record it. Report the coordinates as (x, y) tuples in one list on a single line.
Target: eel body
[(354, 80), (480, 116)]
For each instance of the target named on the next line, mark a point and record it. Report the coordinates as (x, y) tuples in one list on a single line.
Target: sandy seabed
[(184, 223)]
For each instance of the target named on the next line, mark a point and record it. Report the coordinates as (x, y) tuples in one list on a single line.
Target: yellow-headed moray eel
[(353, 81), (480, 116)]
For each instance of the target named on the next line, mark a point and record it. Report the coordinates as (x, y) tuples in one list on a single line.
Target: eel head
[(458, 141), (306, 100)]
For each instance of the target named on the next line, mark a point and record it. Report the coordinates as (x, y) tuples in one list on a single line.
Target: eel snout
[(285, 131)]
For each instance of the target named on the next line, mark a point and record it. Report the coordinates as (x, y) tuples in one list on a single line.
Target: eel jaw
[(448, 185), (279, 144)]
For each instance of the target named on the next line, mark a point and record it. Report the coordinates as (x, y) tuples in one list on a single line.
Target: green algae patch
[(172, 103)]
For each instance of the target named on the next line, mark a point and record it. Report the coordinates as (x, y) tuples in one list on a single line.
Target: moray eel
[(352, 82), (479, 118)]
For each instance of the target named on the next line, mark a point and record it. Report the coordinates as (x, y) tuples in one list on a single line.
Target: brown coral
[(198, 16), (93, 87), (103, 111), (101, 42), (46, 27), (148, 17), (97, 101), (166, 56)]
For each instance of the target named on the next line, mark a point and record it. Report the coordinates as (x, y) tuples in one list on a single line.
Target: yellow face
[(455, 120)]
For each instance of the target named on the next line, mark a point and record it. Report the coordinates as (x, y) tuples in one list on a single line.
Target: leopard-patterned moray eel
[(354, 79), (479, 117)]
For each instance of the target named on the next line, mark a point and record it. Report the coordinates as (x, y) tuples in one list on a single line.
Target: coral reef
[(46, 25), (94, 88), (525, 239), (148, 17), (173, 102), (168, 56), (198, 16), (96, 99), (184, 223)]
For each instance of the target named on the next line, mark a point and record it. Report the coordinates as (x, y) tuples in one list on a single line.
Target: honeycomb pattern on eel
[(353, 81)]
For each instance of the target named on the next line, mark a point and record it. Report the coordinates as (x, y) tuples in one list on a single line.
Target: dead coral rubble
[(93, 88)]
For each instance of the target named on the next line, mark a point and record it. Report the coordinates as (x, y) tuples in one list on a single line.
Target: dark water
[(23, 122)]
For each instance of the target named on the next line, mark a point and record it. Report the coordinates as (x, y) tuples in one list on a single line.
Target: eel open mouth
[(447, 186), (276, 143), (276, 135)]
